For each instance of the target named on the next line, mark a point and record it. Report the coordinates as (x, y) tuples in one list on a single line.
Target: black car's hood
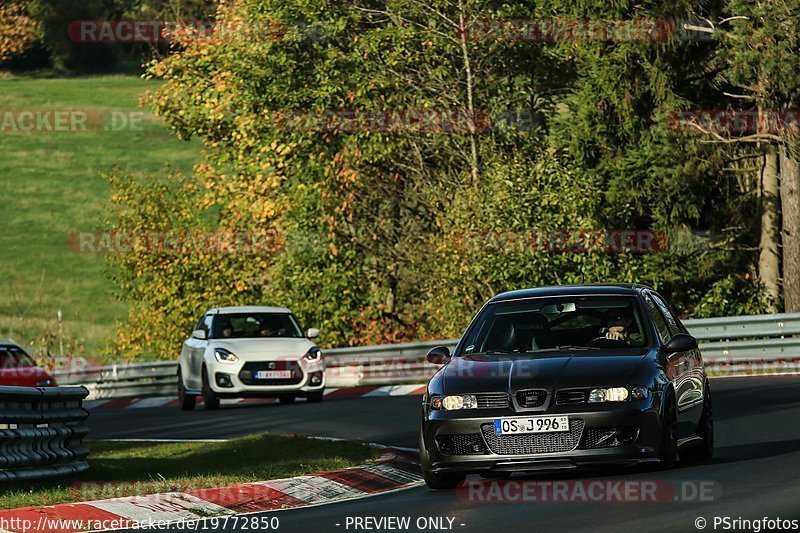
[(511, 373)]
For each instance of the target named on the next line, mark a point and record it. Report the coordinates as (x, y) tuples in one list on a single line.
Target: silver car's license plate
[(536, 424), (273, 374)]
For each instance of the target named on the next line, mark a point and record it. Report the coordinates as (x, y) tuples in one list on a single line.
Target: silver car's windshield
[(255, 325), (586, 323)]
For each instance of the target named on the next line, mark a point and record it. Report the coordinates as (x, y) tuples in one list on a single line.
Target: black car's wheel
[(210, 399), (433, 480), (286, 400), (187, 401), (315, 397), (668, 453), (705, 430), (496, 475), (441, 481)]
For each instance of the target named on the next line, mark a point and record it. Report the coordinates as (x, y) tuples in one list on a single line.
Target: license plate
[(273, 374), (538, 424)]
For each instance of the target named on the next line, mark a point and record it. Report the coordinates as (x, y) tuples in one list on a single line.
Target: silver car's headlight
[(224, 356)]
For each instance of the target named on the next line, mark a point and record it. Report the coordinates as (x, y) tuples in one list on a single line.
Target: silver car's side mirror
[(312, 333), (199, 334)]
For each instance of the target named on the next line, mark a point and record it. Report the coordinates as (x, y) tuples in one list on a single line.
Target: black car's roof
[(570, 290)]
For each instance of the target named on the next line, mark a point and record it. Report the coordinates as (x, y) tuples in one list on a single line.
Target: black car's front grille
[(492, 400), (532, 397), (466, 444), (608, 437), (533, 443), (248, 373), (572, 396)]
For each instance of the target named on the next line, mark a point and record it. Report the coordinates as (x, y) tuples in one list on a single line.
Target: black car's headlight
[(454, 402), (224, 356), (618, 394), (314, 354)]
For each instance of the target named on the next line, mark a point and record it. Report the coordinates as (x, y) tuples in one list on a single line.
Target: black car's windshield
[(585, 323), (255, 325)]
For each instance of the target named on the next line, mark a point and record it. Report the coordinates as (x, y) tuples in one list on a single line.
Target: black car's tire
[(286, 400), (433, 480), (315, 397), (187, 401), (441, 481), (705, 430), (668, 451), (496, 475), (210, 399)]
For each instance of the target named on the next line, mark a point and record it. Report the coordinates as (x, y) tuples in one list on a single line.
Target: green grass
[(52, 186), (119, 469)]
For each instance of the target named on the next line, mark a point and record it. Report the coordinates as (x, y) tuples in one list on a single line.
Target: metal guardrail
[(42, 432), (739, 327), (755, 339), (124, 380), (767, 343)]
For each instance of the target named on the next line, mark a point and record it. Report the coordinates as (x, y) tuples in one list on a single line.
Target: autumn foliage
[(368, 220), (18, 31)]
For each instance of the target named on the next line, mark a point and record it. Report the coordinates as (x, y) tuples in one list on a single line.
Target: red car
[(17, 368)]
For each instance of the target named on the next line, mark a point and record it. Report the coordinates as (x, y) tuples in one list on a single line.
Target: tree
[(18, 30), (758, 64), (382, 143)]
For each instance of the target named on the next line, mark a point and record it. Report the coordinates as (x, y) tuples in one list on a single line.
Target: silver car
[(238, 352)]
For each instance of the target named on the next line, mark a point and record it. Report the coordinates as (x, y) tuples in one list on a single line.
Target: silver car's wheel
[(187, 401), (210, 399), (315, 397)]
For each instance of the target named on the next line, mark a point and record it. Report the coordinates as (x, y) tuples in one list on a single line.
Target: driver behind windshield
[(226, 328), (619, 327)]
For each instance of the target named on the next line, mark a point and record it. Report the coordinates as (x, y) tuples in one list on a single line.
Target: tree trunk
[(790, 230), (769, 255), (471, 116)]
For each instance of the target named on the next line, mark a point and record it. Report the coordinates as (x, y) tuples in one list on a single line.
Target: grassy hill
[(51, 187)]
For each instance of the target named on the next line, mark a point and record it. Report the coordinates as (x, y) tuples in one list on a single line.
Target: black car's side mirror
[(680, 342), (439, 355)]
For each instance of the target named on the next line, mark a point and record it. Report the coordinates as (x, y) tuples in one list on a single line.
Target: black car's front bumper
[(464, 441)]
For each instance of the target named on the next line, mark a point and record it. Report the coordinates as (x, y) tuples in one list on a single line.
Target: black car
[(563, 377)]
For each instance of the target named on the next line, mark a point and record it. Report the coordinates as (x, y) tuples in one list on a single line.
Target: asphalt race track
[(756, 472)]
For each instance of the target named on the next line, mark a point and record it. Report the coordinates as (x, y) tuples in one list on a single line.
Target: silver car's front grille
[(249, 372), (533, 443), (492, 400)]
